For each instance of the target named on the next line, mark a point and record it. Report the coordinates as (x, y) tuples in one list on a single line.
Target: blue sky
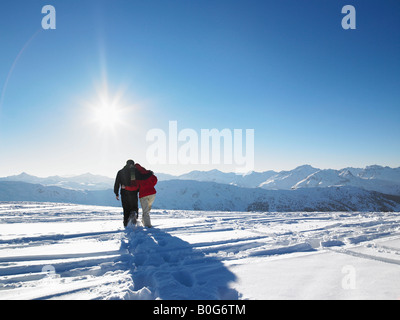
[(313, 92)]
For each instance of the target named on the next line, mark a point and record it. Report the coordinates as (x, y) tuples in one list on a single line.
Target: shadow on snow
[(166, 267)]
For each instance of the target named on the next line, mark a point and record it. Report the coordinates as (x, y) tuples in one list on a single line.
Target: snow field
[(59, 251)]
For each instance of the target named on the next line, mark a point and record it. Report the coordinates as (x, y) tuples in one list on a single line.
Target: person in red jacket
[(147, 192)]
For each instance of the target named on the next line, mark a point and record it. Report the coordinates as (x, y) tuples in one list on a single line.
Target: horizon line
[(203, 171)]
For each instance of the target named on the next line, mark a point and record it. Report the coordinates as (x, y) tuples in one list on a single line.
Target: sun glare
[(105, 112), (107, 116)]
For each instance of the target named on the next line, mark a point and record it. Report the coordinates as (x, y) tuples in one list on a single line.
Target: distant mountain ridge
[(344, 177), (374, 188), (85, 181), (373, 178)]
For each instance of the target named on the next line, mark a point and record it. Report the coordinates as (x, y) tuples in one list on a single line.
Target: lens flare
[(107, 116), (107, 111)]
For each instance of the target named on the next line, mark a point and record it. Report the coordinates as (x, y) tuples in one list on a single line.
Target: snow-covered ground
[(62, 251)]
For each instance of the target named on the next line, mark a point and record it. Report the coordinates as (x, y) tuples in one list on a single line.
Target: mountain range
[(82, 182), (374, 188), (373, 178)]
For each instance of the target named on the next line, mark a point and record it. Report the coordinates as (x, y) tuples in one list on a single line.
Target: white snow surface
[(65, 251)]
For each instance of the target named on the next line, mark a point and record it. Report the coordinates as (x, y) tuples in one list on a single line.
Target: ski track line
[(366, 256), (376, 248)]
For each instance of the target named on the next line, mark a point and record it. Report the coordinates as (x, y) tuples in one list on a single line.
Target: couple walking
[(133, 179)]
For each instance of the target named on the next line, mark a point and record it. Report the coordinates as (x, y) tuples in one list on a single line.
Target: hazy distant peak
[(305, 167)]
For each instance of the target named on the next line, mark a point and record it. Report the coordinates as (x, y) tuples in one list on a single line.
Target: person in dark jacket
[(126, 178)]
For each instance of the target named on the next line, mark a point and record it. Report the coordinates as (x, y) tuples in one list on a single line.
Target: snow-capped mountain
[(195, 195), (23, 191), (374, 178), (85, 181), (250, 180), (285, 180), (330, 178), (381, 173), (305, 188), (270, 180)]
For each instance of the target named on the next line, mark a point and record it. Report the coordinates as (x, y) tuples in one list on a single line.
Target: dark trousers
[(129, 204)]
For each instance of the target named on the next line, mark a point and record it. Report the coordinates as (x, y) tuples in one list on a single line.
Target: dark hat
[(130, 162)]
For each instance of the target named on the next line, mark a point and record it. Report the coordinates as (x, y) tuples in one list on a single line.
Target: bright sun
[(106, 112), (107, 116)]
